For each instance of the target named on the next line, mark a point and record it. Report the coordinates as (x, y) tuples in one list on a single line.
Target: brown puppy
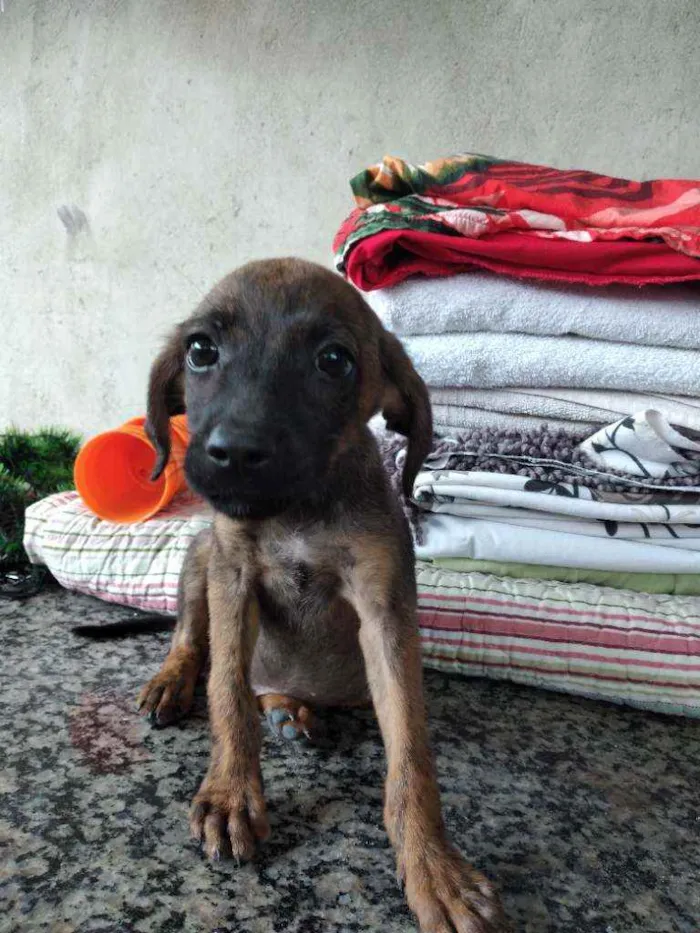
[(304, 590)]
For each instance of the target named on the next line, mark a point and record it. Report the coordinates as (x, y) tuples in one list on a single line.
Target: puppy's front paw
[(228, 816), (168, 696), (447, 894)]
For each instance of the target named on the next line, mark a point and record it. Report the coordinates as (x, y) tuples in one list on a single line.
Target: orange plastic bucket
[(112, 472)]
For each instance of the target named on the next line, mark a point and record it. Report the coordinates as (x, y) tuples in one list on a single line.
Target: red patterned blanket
[(447, 216)]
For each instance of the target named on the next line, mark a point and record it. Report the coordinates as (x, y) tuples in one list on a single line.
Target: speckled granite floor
[(587, 815)]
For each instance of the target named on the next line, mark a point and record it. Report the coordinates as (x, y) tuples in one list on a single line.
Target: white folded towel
[(663, 315), (454, 407), (486, 360), (450, 419)]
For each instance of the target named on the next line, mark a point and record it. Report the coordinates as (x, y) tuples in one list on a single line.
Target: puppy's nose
[(232, 447)]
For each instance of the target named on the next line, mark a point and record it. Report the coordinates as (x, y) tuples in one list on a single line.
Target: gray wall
[(196, 134)]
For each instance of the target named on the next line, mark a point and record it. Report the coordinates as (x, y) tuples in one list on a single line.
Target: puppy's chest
[(302, 571)]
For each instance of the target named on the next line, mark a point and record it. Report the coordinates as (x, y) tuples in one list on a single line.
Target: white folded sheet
[(454, 536), (683, 537), (447, 490)]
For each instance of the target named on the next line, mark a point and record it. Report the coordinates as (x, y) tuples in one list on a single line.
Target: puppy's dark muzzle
[(241, 471)]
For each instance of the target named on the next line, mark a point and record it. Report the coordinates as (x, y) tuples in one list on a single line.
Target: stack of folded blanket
[(553, 316), (619, 508), (549, 324), (499, 352)]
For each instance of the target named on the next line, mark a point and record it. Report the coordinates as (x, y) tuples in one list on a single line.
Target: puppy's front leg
[(444, 892), (169, 695), (228, 812)]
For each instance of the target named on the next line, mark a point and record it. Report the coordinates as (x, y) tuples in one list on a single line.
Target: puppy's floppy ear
[(405, 405), (166, 397)]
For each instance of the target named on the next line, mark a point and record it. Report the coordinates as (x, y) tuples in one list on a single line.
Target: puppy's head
[(277, 369)]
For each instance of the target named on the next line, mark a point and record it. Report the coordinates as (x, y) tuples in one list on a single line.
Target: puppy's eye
[(201, 353), (335, 361)]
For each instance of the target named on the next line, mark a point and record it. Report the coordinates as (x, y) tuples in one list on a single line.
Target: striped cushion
[(134, 565), (595, 641)]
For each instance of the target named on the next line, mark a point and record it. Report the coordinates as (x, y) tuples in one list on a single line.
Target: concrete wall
[(178, 138)]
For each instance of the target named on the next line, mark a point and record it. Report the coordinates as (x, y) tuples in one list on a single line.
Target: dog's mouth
[(236, 507), (238, 497)]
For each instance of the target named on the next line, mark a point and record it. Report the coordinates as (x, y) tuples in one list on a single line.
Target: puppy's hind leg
[(168, 696), (289, 718)]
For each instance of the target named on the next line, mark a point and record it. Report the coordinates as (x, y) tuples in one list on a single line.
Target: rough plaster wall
[(196, 134)]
